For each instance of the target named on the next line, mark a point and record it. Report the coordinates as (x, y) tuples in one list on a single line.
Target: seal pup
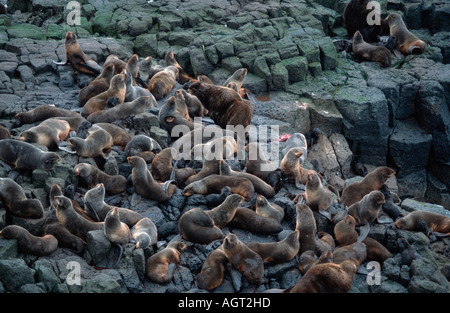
[(77, 58), (389, 207), (75, 223), (132, 92), (144, 233), (97, 143), (142, 146), (16, 202), (266, 209), (244, 259), (119, 135), (408, 252), (344, 231), (237, 79), (116, 231), (355, 252), (97, 209), (160, 267), (214, 199), (49, 133), (277, 252), (247, 219), (317, 197), (372, 181), (144, 184), (296, 140), (24, 156), (91, 176), (119, 64), (194, 105), (197, 227), (292, 170), (28, 243), (43, 112), (224, 213), (98, 85), (183, 77), (308, 259), (439, 224), (365, 51), (213, 269), (163, 82), (407, 43)]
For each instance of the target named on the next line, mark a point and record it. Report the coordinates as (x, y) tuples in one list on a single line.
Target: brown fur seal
[(16, 202), (123, 110), (43, 112), (355, 252), (366, 210), (306, 225), (376, 251), (434, 221), (214, 184), (92, 176), (75, 223), (196, 226), (119, 135), (345, 232), (237, 79), (327, 278), (144, 233), (244, 259), (49, 133), (277, 252), (266, 209), (98, 143), (97, 209), (292, 170), (225, 106), (97, 85), (183, 77), (212, 271), (224, 213), (308, 259), (119, 64), (65, 238), (143, 146), (260, 186), (365, 51), (57, 191), (317, 197), (162, 167), (4, 133), (247, 219), (373, 181), (160, 267), (114, 95), (77, 58), (163, 82), (144, 184), (116, 231), (25, 156), (132, 68), (407, 42), (132, 91), (28, 243), (194, 105)]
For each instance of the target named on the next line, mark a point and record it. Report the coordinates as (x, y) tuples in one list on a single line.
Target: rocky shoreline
[(397, 117)]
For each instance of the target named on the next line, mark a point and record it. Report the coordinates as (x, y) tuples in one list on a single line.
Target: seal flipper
[(92, 209), (172, 177), (13, 174), (66, 149), (95, 71), (340, 216), (112, 102), (236, 277), (61, 63), (363, 232), (141, 82), (384, 220), (120, 254), (440, 235), (326, 214), (170, 271), (6, 166)]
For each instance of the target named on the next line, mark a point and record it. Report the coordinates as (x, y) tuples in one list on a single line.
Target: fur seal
[(237, 78), (266, 209), (145, 185), (119, 65), (244, 259), (65, 238), (77, 58), (183, 77), (43, 112), (224, 213), (308, 259), (116, 231), (437, 223), (132, 91), (373, 181), (119, 135), (143, 146), (214, 199), (214, 184), (389, 206), (198, 227), (292, 170), (98, 143), (4, 133), (160, 266), (49, 133), (144, 233), (407, 43), (16, 202), (194, 105), (257, 161), (163, 82), (57, 191), (260, 186), (28, 243), (365, 51), (327, 278), (162, 167), (97, 209), (376, 251), (213, 269), (407, 251), (317, 197), (296, 140), (277, 252), (111, 97), (98, 85), (355, 252), (247, 219), (75, 223), (345, 232), (123, 110), (113, 184), (25, 156)]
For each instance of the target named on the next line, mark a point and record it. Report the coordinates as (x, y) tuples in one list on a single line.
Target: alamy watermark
[(374, 16), (74, 16)]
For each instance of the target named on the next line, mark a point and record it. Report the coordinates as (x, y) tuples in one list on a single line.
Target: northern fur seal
[(277, 252), (43, 112), (160, 266), (292, 170), (258, 162), (317, 196), (194, 105), (308, 259), (119, 135), (162, 167), (25, 156), (244, 259), (266, 209), (132, 91), (114, 184), (97, 143), (4, 133), (144, 233), (345, 232), (438, 223), (213, 270), (372, 181), (119, 64), (237, 78), (97, 85), (16, 202), (196, 226), (49, 133), (247, 219), (163, 82), (77, 58), (355, 252), (183, 77), (407, 42), (116, 231), (224, 213), (28, 243), (143, 146), (365, 51)]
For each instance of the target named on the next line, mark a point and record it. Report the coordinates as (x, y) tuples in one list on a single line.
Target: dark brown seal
[(98, 143), (365, 51), (266, 209), (213, 270), (28, 243), (114, 184), (49, 133), (224, 213), (163, 82), (434, 221), (43, 112), (366, 210), (196, 226), (16, 202), (194, 105), (160, 267), (247, 219), (277, 252), (292, 170), (183, 77), (97, 85)]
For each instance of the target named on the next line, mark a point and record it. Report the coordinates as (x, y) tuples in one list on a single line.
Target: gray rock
[(200, 63), (8, 248), (45, 273), (15, 273), (413, 185), (411, 205)]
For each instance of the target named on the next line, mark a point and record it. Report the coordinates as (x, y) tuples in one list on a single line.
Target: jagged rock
[(412, 185), (15, 273), (413, 205), (324, 153)]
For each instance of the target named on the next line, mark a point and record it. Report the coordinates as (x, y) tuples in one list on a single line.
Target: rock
[(437, 192), (343, 153), (280, 76), (413, 205), (15, 273), (145, 121), (442, 40), (8, 248), (323, 152), (413, 185), (200, 63), (297, 68), (146, 44), (100, 249), (328, 54), (426, 277), (25, 31), (324, 114), (45, 273)]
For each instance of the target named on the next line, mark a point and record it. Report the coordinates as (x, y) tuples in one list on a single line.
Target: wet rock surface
[(398, 116)]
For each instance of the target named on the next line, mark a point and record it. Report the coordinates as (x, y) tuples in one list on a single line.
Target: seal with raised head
[(436, 222), (213, 270), (194, 105), (43, 112), (183, 77), (77, 58), (317, 197), (292, 170), (266, 209), (49, 133), (27, 243), (224, 213), (247, 219), (160, 267), (237, 78), (345, 232), (277, 252), (142, 146), (407, 42), (196, 226), (25, 156), (119, 64), (113, 184), (98, 143), (244, 259), (163, 167), (372, 181), (115, 230), (132, 91), (144, 233), (163, 82), (119, 135), (365, 51), (16, 202), (97, 85)]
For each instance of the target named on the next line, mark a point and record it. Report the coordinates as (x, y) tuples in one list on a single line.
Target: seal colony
[(229, 197)]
